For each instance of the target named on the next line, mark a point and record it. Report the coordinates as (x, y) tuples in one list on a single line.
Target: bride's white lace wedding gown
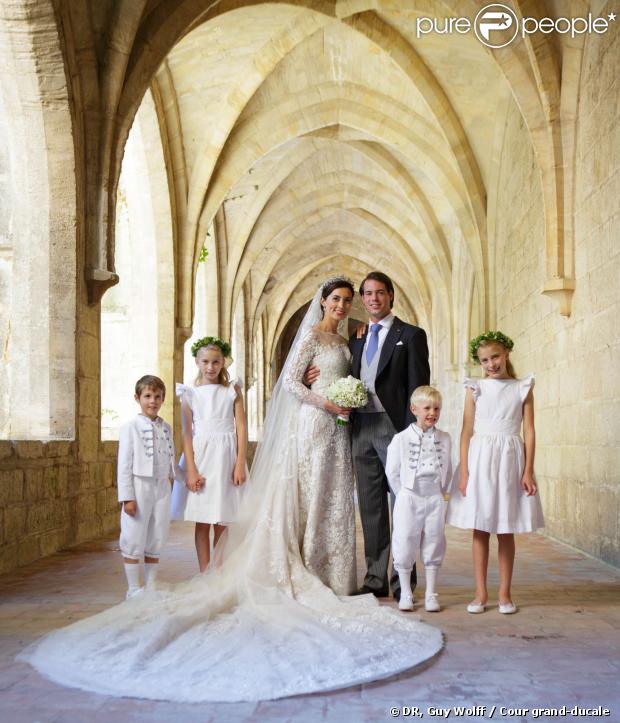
[(325, 481), (260, 624)]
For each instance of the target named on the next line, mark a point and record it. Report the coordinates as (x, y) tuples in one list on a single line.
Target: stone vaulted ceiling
[(321, 136), (319, 139)]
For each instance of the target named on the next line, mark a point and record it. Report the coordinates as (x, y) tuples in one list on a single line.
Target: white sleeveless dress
[(495, 501), (215, 453)]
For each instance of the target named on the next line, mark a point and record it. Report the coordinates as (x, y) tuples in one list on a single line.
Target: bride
[(266, 621), (325, 470)]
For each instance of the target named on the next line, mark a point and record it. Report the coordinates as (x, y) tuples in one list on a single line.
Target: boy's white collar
[(420, 431), (157, 419)]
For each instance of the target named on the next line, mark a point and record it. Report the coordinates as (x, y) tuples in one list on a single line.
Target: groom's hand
[(311, 375)]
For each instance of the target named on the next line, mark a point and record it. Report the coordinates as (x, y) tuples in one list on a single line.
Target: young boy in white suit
[(146, 462), (419, 471)]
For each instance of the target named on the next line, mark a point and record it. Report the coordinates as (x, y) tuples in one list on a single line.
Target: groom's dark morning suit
[(402, 366)]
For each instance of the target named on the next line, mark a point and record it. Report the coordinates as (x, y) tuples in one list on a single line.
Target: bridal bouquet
[(347, 392)]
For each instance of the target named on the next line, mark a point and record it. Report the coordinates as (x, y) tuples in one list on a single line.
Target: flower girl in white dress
[(497, 485), (214, 444)]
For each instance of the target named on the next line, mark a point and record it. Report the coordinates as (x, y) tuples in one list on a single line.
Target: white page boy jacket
[(403, 455), (136, 454)]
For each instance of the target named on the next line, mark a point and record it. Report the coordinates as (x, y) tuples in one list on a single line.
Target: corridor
[(560, 649)]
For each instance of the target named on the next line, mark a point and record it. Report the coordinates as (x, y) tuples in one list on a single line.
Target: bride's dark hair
[(337, 283)]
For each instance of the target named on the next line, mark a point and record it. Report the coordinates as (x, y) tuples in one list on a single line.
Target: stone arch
[(138, 314), (279, 283), (39, 355), (307, 222), (304, 284)]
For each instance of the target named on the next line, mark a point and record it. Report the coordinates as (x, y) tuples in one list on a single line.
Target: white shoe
[(431, 603), (507, 608), (134, 593), (405, 603), (475, 608)]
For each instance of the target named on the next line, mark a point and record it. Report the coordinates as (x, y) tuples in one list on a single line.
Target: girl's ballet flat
[(475, 608), (507, 608)]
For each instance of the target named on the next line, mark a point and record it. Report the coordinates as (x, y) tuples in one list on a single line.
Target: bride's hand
[(337, 409), (361, 330)]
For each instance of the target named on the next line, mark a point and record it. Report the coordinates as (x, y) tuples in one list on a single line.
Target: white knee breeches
[(418, 526), (147, 532)]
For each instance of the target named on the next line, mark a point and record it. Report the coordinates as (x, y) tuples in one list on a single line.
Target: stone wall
[(49, 499), (575, 359)]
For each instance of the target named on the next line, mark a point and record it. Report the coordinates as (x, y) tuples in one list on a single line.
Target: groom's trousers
[(372, 433)]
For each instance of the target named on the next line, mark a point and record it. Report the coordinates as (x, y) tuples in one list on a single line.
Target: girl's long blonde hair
[(223, 377)]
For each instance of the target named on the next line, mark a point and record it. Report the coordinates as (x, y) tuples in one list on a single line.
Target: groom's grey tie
[(373, 342)]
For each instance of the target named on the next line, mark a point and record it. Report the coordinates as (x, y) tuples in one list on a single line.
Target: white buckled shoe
[(431, 603), (406, 602)]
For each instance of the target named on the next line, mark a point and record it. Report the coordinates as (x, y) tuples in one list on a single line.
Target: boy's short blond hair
[(425, 394), (152, 382)]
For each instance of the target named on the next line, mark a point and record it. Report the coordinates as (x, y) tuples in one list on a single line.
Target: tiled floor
[(561, 649)]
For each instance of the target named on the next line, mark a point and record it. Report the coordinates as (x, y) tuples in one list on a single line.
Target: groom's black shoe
[(377, 592)]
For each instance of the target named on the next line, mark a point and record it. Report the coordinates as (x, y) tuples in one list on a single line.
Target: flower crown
[(223, 346), (333, 279), (495, 337)]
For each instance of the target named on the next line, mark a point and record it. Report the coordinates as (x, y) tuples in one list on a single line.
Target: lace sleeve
[(292, 381)]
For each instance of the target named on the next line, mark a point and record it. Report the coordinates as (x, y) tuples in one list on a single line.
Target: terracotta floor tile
[(561, 648)]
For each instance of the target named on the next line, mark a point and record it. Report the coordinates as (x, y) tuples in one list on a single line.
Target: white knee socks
[(132, 572), (431, 580), (405, 583), (150, 572)]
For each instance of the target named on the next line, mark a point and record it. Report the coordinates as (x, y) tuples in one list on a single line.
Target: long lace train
[(237, 636)]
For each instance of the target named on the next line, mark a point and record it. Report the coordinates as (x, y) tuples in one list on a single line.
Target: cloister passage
[(170, 169)]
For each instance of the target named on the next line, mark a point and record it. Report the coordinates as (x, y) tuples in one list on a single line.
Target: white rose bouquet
[(347, 392)]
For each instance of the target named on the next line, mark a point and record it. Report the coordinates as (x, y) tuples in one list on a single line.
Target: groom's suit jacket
[(403, 366)]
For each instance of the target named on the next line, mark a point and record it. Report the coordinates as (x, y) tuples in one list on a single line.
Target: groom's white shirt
[(386, 324)]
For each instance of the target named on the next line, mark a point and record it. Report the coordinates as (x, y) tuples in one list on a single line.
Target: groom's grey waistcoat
[(368, 374), (402, 366)]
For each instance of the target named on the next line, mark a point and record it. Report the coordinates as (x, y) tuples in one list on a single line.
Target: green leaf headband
[(223, 346), (495, 337)]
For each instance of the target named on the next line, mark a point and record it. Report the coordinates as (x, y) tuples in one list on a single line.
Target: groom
[(392, 360)]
